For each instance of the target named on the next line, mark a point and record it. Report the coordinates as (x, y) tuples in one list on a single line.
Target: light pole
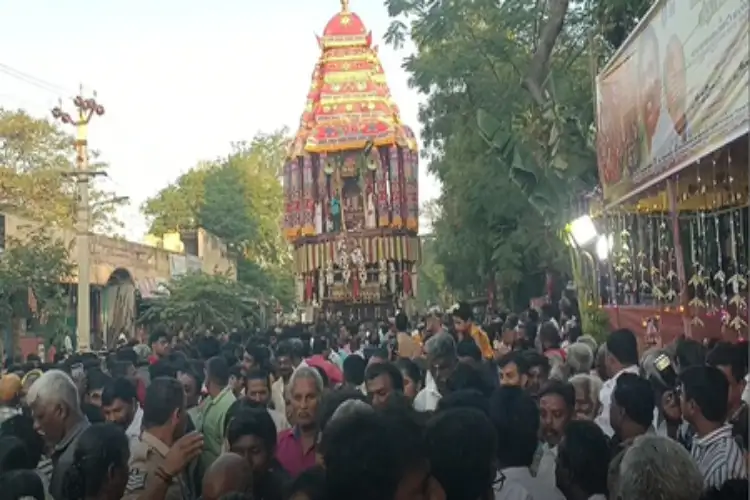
[(85, 109)]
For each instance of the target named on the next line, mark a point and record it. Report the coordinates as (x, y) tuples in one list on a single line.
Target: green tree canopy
[(31, 272), (36, 158), (238, 198), (507, 127), (199, 303)]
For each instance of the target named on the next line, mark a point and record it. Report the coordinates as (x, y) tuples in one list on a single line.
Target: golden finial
[(345, 6)]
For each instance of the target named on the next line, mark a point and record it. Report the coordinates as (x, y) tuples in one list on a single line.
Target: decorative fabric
[(396, 205)]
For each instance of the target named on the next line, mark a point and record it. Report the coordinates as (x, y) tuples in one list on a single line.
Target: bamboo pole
[(679, 257)]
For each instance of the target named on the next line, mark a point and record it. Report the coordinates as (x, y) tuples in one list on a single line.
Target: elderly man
[(658, 467), (441, 361), (295, 448), (54, 404)]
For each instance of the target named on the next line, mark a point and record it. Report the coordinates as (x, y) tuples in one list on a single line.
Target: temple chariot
[(351, 184)]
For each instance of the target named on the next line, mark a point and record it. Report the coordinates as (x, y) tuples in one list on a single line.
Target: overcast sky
[(180, 80)]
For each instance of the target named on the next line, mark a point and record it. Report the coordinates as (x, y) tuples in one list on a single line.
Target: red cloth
[(140, 388), (559, 352), (290, 455), (153, 359), (332, 371)]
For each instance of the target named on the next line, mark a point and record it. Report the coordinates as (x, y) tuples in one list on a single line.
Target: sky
[(180, 80)]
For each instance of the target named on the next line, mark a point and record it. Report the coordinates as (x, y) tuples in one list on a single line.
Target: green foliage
[(238, 198), (35, 266), (35, 155), (199, 303), (507, 127)]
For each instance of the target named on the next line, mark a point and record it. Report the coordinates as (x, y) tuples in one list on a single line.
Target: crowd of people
[(526, 408)]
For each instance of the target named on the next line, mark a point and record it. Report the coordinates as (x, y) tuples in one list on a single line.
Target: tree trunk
[(539, 66)]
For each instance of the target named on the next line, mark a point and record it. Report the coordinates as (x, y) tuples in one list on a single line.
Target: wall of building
[(143, 262)]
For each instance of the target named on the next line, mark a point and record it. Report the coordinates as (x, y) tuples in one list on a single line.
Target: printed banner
[(675, 91)]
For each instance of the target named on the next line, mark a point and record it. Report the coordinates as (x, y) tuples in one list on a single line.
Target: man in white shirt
[(621, 357), (516, 419), (441, 360)]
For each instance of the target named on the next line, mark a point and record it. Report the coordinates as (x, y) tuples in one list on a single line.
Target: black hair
[(127, 354), (574, 333), (636, 398), (367, 454), (709, 388), (96, 379), (461, 445), (410, 369), (732, 489), (564, 390), (208, 347), (119, 388), (18, 484), (354, 369), (586, 455), (550, 335), (467, 348), (178, 360), (119, 368), (463, 312), (517, 358), (468, 398), (258, 374), (100, 448), (536, 359), (623, 346), (731, 355), (162, 368), (217, 370), (237, 407), (312, 483), (323, 376), (465, 377), (516, 419), (330, 402), (401, 322), (389, 369), (22, 427), (92, 413), (689, 352), (164, 396), (14, 455), (253, 422), (197, 376), (157, 335), (320, 344), (236, 372)]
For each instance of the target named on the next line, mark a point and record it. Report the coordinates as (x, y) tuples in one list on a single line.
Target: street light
[(582, 230)]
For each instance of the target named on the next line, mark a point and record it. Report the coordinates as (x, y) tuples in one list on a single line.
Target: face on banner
[(675, 91)]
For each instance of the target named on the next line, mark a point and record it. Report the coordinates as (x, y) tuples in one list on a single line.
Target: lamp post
[(85, 109)]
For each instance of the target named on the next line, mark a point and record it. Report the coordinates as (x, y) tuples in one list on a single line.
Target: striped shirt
[(718, 457)]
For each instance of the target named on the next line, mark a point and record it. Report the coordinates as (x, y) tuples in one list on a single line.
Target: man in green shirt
[(214, 409)]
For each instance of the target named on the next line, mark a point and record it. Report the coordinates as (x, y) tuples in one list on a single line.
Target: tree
[(507, 129), (238, 198), (35, 156), (198, 303), (32, 271)]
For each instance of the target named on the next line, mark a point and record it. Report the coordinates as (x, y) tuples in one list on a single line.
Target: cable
[(33, 80)]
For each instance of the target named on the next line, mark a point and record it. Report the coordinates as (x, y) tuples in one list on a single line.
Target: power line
[(34, 81)]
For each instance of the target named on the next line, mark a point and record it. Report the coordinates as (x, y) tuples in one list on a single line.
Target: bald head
[(230, 473)]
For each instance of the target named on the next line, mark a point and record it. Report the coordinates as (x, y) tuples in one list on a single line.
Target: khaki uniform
[(146, 455)]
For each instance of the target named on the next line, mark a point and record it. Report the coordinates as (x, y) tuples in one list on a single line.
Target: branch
[(539, 66)]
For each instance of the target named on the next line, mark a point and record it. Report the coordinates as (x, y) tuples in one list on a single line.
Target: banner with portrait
[(674, 92)]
